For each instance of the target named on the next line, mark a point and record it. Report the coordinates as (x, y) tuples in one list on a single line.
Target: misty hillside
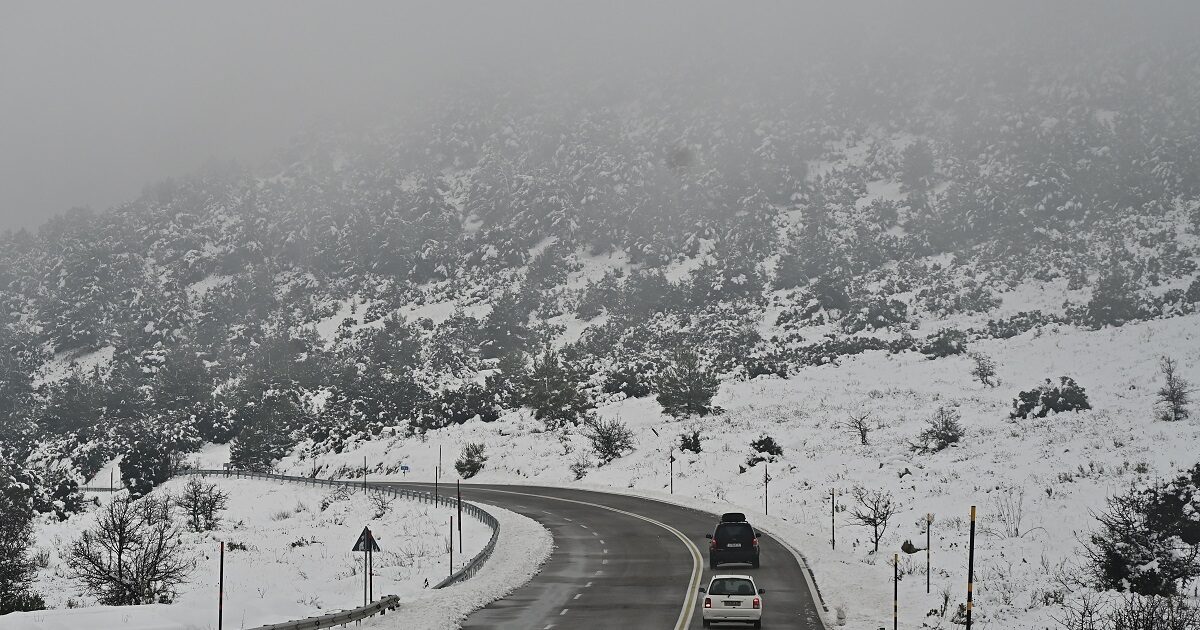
[(558, 247)]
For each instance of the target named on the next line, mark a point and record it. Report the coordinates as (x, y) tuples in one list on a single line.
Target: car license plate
[(732, 545), (733, 603)]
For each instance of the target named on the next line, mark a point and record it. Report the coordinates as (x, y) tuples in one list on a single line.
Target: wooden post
[(971, 571)]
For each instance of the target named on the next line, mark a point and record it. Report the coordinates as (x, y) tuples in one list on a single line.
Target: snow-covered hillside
[(1035, 481)]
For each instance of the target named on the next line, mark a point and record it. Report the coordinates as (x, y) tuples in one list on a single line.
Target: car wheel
[(706, 623), (754, 563), (757, 624)]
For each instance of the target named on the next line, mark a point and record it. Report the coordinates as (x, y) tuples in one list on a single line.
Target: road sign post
[(366, 544)]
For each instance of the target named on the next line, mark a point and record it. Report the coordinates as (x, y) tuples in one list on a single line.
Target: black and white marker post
[(458, 489)]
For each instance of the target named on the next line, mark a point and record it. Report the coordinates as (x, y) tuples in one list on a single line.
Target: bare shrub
[(382, 503), (133, 555), (874, 509), (984, 369), (860, 424), (202, 503)]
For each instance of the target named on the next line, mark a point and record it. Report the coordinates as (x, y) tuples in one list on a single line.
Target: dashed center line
[(564, 611), (577, 595), (588, 585)]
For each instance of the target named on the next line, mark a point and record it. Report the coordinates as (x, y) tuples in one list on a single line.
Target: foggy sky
[(99, 99)]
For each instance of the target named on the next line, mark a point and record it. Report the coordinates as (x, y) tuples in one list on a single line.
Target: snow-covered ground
[(297, 559), (1055, 470)]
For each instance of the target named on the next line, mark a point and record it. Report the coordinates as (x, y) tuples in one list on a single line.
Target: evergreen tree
[(686, 387), (268, 424), (17, 570), (552, 388), (506, 327), (1113, 301)]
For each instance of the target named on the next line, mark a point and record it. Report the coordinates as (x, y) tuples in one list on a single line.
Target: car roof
[(725, 576)]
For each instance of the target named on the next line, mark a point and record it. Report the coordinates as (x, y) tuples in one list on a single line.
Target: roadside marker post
[(451, 541), (833, 518), (671, 460), (458, 490), (895, 591), (928, 548), (766, 492), (221, 590), (971, 571)]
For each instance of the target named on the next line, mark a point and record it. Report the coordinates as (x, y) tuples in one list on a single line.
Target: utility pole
[(971, 571), (833, 518)]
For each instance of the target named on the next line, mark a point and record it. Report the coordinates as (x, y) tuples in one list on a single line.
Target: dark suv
[(733, 541)]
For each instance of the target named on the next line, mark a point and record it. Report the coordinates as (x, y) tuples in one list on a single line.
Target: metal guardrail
[(387, 603), (391, 602)]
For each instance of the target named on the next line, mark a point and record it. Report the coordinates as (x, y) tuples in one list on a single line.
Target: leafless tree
[(984, 369), (875, 509), (609, 438), (202, 502), (861, 424), (1175, 394), (133, 555)]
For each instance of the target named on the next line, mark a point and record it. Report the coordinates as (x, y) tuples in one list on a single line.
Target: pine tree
[(17, 570), (267, 430), (552, 389), (1113, 301), (686, 387), (1175, 393)]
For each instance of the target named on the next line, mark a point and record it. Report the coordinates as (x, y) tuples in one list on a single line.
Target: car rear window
[(735, 532), (731, 586)]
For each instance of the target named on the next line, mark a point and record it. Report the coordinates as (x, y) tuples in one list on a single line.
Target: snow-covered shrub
[(1046, 398), (944, 343), (942, 430), (632, 379), (457, 406), (690, 441), (471, 461), (609, 438), (17, 568), (553, 388), (983, 368), (1148, 541), (875, 313), (766, 449)]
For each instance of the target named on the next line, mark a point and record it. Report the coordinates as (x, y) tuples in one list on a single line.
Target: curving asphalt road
[(628, 563)]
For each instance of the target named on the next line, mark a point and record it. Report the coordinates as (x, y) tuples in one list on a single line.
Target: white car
[(732, 598)]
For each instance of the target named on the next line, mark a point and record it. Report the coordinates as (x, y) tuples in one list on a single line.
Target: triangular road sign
[(366, 541)]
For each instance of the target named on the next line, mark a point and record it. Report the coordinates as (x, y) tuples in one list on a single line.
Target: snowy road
[(628, 562)]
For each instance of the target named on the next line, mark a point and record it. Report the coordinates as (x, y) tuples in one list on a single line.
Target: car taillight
[(757, 603), (755, 542), (708, 602), (712, 544)]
